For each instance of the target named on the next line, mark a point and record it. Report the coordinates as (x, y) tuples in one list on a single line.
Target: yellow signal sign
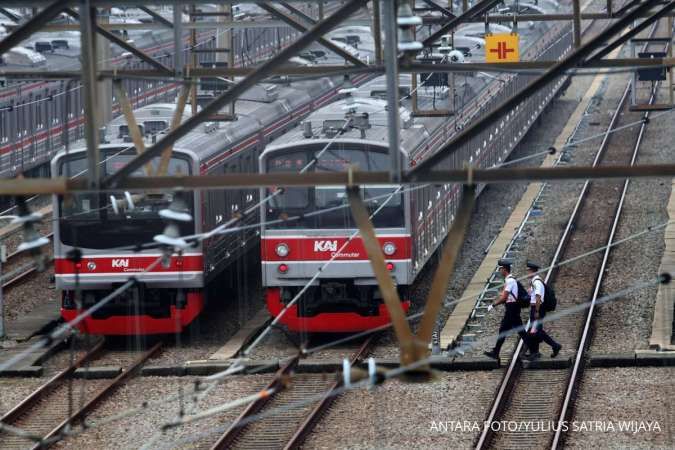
[(501, 47)]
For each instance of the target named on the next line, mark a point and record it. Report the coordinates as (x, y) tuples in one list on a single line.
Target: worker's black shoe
[(532, 356), (556, 350), (491, 354)]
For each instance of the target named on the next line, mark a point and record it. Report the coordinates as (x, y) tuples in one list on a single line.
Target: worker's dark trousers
[(540, 335), (511, 320)]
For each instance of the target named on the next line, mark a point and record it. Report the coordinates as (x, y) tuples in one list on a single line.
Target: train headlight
[(389, 248), (282, 250), (390, 266), (283, 268)]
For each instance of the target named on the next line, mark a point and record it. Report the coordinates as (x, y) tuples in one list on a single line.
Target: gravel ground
[(607, 397), (232, 301), (20, 299), (401, 415), (645, 206), (137, 429), (13, 390)]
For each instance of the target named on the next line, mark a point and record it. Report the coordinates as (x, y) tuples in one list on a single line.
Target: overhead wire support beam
[(334, 70), (435, 6), (576, 57), (63, 185), (297, 12), (663, 12), (236, 90), (125, 45), (302, 28), (476, 10), (88, 52), (156, 17), (36, 23)]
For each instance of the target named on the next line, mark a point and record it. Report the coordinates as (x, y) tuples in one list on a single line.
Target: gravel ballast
[(401, 415), (634, 396)]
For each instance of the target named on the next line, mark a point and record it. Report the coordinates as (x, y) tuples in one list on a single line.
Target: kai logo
[(120, 263), (325, 246)]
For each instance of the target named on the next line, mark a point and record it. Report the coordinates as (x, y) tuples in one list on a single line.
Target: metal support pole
[(670, 55), (577, 23), (321, 12), (178, 60), (3, 253), (465, 5), (391, 66), (193, 63), (609, 8), (88, 45), (377, 31), (104, 99)]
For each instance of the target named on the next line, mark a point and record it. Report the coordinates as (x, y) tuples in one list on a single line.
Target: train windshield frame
[(88, 220), (336, 214)]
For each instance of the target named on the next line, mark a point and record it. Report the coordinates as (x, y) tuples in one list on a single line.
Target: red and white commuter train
[(344, 296)]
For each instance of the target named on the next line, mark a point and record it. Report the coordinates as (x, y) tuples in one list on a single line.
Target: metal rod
[(410, 352), (36, 23), (388, 9), (637, 29), (377, 31), (125, 45), (178, 60), (88, 45), (333, 70), (302, 28), (62, 185), (577, 23), (236, 90), (156, 17)]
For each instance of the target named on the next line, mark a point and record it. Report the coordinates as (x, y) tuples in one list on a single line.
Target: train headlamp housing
[(389, 248), (282, 250)]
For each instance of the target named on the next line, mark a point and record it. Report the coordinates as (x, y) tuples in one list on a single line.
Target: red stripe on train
[(127, 264), (324, 248)]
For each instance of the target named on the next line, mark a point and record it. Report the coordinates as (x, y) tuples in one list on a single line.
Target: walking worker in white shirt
[(537, 313), (511, 319)]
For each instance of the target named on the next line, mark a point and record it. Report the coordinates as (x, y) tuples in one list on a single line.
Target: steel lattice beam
[(576, 57), (125, 45), (158, 18), (236, 90), (302, 28), (476, 10), (63, 185), (34, 24)]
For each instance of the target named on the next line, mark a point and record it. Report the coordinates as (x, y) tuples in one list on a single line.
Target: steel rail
[(27, 403), (515, 368), (277, 384), (313, 418), (501, 398), (101, 395), (579, 365), (29, 271)]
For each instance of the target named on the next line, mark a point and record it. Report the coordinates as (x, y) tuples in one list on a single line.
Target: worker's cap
[(506, 263), (532, 265)]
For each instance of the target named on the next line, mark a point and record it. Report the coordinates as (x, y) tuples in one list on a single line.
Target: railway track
[(44, 414), (546, 397), (289, 424), (21, 266)]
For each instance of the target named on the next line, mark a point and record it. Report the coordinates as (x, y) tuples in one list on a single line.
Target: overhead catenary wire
[(390, 374), (233, 369)]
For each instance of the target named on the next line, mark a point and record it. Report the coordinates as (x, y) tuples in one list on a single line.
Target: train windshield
[(89, 220), (328, 205)]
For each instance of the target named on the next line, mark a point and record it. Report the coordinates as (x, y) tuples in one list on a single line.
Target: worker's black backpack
[(523, 299), (550, 302)]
